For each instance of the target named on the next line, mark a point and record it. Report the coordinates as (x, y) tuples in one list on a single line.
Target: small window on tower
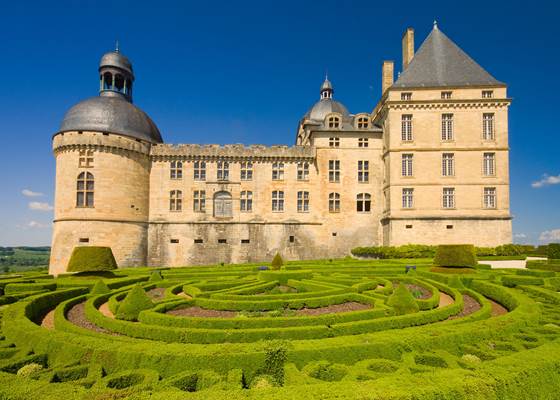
[(292, 239), (406, 96), (174, 241), (446, 95), (85, 159), (84, 240)]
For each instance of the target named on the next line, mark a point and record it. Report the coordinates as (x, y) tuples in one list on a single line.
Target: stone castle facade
[(428, 165)]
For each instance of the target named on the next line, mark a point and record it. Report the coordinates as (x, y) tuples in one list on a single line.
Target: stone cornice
[(447, 217), (447, 104), (442, 149), (97, 141)]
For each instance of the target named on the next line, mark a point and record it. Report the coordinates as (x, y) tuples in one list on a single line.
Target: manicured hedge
[(514, 280), (406, 251), (16, 288), (553, 251), (283, 276), (455, 255), (91, 258)]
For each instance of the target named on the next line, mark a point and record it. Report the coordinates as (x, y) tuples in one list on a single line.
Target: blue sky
[(245, 72)]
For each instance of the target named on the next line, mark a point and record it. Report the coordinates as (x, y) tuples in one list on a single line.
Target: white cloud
[(35, 224), (550, 236), (520, 235), (546, 180), (31, 193), (38, 206)]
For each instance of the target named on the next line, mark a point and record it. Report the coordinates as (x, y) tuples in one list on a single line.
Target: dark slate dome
[(326, 104), (111, 114)]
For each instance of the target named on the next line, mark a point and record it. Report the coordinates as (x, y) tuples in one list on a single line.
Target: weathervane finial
[(117, 46), (435, 24)]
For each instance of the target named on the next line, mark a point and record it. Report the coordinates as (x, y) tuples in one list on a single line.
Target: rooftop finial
[(435, 24), (117, 46)]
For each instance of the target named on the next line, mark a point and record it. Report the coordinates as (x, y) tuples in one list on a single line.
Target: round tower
[(102, 152)]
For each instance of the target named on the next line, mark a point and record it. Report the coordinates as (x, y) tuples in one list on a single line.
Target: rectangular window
[(334, 202), (175, 200), (363, 123), (407, 165), (363, 171), (489, 164), (278, 201), (222, 241), (489, 197), (84, 240), (448, 197), (199, 201), (487, 94), (174, 241), (303, 201), (407, 198), (406, 96), (246, 201), (302, 171), (223, 171), (446, 95), (409, 227), (176, 170), (334, 142), (245, 241), (199, 170), (292, 239), (363, 142), (488, 126), (246, 171), (85, 159), (406, 127), (448, 164), (447, 127), (334, 171), (199, 241), (277, 171)]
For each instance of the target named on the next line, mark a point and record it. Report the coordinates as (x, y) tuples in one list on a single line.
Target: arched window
[(175, 200), (334, 122), (107, 81), (223, 205), (363, 122), (246, 201), (84, 190), (176, 171), (119, 83), (363, 202), (334, 202)]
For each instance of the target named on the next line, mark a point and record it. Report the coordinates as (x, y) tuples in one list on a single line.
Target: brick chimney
[(387, 76), (407, 47)]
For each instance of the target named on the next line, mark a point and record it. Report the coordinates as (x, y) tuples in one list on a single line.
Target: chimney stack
[(387, 76), (407, 47)]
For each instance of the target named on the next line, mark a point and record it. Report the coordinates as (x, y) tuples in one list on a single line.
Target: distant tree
[(5, 269)]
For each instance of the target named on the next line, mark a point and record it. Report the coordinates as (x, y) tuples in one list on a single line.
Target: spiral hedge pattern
[(319, 329)]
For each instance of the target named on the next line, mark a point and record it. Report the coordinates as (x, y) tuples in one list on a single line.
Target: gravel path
[(445, 300), (77, 316), (470, 306), (104, 309), (48, 320), (513, 264)]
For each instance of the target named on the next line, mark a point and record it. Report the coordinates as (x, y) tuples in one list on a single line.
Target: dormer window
[(446, 95), (363, 122), (334, 122), (406, 96), (487, 94)]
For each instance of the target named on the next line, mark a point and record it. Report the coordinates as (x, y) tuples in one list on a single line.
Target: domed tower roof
[(326, 104), (112, 111)]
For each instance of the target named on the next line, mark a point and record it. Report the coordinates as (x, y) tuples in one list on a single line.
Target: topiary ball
[(135, 301), (91, 258), (402, 301)]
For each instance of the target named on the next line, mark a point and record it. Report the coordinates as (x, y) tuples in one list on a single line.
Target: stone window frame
[(406, 96), (277, 201), (334, 171), (278, 171), (489, 164), (223, 204), (406, 128), (407, 165), (246, 171), (85, 190), (199, 170), (302, 171), (488, 120), (222, 170), (176, 170), (362, 122), (176, 201), (363, 142), (487, 94), (363, 203), (448, 164), (334, 202), (407, 198), (447, 125), (333, 121), (446, 95), (363, 171), (246, 201), (489, 198), (302, 201), (448, 198), (85, 159), (199, 201), (334, 141)]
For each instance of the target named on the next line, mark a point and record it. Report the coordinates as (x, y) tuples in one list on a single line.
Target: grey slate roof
[(439, 62)]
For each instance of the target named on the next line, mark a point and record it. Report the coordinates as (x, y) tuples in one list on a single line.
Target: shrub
[(514, 280), (135, 301), (553, 251), (28, 370), (402, 301), (100, 287), (455, 255), (406, 251), (455, 282), (326, 371), (485, 251), (277, 261), (276, 355), (155, 277), (263, 382), (91, 258), (509, 250)]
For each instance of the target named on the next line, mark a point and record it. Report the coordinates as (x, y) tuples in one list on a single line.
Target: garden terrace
[(322, 328)]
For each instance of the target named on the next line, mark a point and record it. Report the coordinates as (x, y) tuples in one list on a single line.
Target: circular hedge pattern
[(333, 329)]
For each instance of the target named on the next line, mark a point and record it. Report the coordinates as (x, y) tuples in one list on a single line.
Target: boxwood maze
[(310, 330)]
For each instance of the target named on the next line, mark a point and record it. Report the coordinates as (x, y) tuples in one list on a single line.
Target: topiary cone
[(277, 261), (402, 301), (100, 287), (135, 301)]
